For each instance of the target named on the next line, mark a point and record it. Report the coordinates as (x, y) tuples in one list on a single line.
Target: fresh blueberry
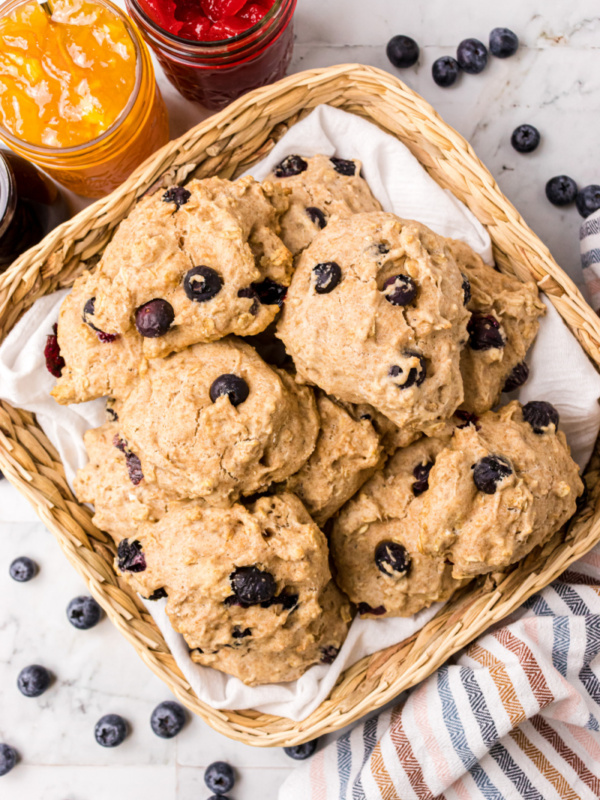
[(8, 758), (201, 284), (316, 216), (176, 194), (23, 569), (54, 360), (234, 387), (365, 608), (134, 468), (130, 556), (343, 166), (402, 51), (421, 475), (84, 612), (167, 719), (111, 730), (399, 290), (472, 56), (540, 415), (466, 287), (300, 752), (416, 375), (517, 377), (33, 681), (489, 472), (588, 200), (292, 165), (327, 276), (158, 594), (252, 585), (484, 332), (269, 292), (154, 318), (239, 633), (219, 777), (392, 559), (561, 190), (218, 797), (503, 42), (88, 311), (525, 138), (445, 71), (329, 654)]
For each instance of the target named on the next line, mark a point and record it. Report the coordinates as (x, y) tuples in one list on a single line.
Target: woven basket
[(227, 144)]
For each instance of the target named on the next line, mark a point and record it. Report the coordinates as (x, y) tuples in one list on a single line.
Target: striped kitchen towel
[(515, 715), (589, 238)]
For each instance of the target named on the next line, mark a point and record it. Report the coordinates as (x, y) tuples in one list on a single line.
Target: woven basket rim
[(228, 143)]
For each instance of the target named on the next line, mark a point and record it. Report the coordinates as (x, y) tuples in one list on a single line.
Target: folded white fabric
[(560, 373)]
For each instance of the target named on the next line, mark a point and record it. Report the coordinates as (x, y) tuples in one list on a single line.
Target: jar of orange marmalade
[(77, 92)]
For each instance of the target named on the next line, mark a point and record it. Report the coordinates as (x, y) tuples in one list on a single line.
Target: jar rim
[(191, 43), (7, 194), (43, 150)]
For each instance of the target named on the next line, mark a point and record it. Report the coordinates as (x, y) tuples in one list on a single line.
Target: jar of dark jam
[(30, 206), (214, 73)]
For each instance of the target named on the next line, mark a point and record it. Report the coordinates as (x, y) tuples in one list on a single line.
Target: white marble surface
[(554, 83)]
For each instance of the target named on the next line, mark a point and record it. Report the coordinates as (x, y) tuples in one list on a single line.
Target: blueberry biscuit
[(215, 421), (249, 588), (321, 188), (504, 323), (191, 264), (375, 314)]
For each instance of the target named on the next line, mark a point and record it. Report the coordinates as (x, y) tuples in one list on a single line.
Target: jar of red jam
[(30, 206), (213, 51)]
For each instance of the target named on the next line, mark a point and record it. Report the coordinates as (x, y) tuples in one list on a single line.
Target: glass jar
[(30, 206), (94, 168), (215, 73)]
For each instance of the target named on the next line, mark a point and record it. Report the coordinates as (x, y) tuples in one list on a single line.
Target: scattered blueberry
[(399, 290), (292, 165), (540, 415), (327, 276), (33, 681), (343, 166), (8, 759), (392, 559), (158, 594), (316, 216), (365, 608), (466, 287), (84, 612), (517, 377), (201, 284), (329, 654), (588, 200), (111, 730), (421, 475), (130, 556), (270, 293), (525, 138), (88, 311), (402, 51), (167, 719), (54, 361), (233, 386), (23, 569), (491, 471), (561, 190), (154, 318), (484, 332), (445, 71), (176, 194), (300, 752), (503, 42), (472, 56), (416, 375), (219, 777), (252, 585)]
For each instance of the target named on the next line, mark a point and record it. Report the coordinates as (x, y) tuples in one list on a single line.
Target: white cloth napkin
[(560, 373)]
